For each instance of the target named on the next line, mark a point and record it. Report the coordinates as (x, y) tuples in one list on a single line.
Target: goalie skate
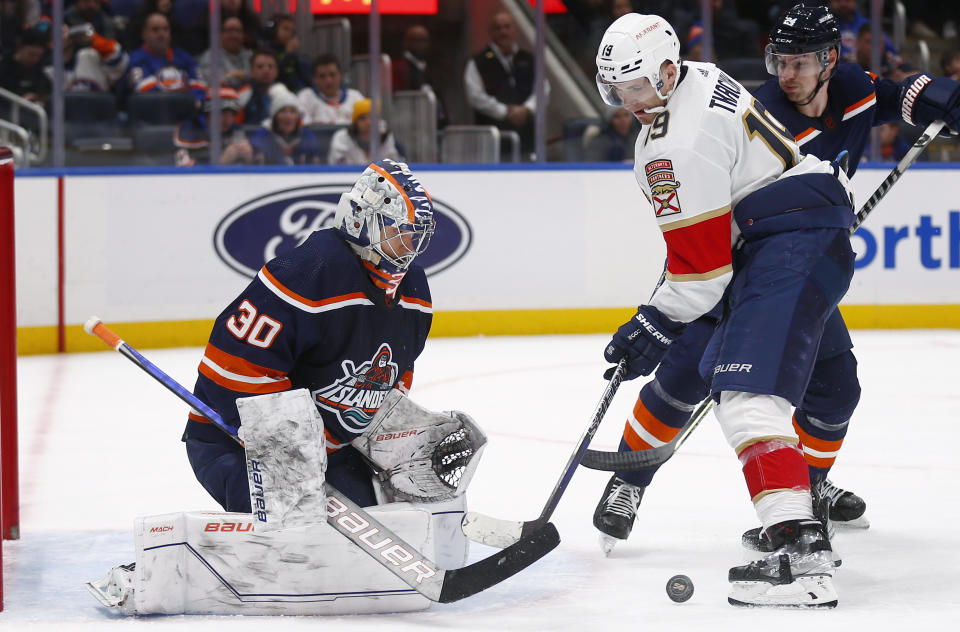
[(797, 574), (116, 589), (616, 512)]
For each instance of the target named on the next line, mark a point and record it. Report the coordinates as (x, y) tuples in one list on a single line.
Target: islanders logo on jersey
[(663, 187), (356, 397)]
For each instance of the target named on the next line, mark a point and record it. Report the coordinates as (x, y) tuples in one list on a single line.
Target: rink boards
[(519, 251)]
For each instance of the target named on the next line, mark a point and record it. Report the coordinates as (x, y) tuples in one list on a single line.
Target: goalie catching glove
[(421, 455), (644, 340)]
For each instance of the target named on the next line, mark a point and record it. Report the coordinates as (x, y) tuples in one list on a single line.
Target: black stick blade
[(469, 580), (625, 461)]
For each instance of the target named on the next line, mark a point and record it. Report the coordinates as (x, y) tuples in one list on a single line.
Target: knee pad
[(746, 418)]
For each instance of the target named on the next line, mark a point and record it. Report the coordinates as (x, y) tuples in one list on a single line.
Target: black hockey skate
[(832, 505), (616, 512), (797, 574)]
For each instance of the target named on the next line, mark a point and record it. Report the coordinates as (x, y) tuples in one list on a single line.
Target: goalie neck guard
[(388, 218)]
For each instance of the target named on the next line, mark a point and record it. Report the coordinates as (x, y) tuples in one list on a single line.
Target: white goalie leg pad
[(286, 454), (421, 455), (223, 563)]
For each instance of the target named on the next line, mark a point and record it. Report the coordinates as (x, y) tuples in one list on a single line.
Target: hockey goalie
[(310, 366)]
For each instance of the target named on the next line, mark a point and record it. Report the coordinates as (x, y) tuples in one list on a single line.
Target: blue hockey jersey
[(313, 319), (857, 101)]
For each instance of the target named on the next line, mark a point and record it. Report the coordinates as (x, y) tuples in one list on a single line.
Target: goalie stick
[(506, 533), (911, 156), (358, 526)]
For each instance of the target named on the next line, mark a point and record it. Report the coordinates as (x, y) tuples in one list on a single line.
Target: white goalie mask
[(635, 46), (387, 215)]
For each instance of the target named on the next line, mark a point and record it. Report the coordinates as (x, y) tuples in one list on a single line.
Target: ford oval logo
[(270, 225)]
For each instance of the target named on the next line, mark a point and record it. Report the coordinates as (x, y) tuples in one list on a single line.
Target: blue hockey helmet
[(387, 215), (804, 28)]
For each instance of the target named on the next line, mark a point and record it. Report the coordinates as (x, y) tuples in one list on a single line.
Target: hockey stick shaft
[(502, 533), (95, 327), (911, 157), (646, 459), (367, 533)]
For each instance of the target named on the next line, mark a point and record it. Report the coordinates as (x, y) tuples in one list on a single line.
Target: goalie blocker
[(283, 558)]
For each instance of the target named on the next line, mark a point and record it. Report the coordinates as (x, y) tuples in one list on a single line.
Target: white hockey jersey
[(712, 146)]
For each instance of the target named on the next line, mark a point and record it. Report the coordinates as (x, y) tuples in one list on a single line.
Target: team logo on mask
[(356, 397), (663, 187)]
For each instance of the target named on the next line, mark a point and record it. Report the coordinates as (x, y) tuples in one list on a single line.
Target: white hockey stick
[(911, 157), (646, 459), (506, 533), (358, 526)]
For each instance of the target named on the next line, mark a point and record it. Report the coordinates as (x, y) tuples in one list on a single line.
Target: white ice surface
[(99, 445)]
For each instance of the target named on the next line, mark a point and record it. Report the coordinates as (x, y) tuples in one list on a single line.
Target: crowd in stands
[(278, 107)]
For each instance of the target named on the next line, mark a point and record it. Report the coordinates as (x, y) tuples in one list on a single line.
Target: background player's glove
[(938, 99), (644, 340)]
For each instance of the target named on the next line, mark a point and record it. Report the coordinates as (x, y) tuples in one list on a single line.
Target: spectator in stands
[(616, 140), (134, 30), (22, 73), (327, 102), (889, 61), (91, 62), (156, 66), (234, 58), (950, 64), (192, 138), (499, 82), (284, 140), (281, 38), (893, 145), (14, 15), (411, 71), (351, 145), (695, 44), (91, 12), (199, 28), (733, 36), (850, 22), (255, 97)]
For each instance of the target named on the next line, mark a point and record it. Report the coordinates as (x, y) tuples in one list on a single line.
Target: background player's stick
[(645, 459), (505, 533), (401, 559), (911, 156)]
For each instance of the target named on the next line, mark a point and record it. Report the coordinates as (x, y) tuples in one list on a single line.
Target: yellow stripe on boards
[(195, 333)]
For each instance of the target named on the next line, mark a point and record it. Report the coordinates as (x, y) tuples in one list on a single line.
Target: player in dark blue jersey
[(827, 107), (344, 315)]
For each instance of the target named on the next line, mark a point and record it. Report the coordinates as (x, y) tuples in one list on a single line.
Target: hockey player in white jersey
[(758, 232)]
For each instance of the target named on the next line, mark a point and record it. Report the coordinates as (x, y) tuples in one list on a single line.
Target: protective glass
[(802, 65), (637, 90)]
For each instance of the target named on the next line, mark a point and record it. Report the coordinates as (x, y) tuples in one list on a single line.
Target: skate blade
[(808, 591), (856, 523), (607, 543), (98, 588)]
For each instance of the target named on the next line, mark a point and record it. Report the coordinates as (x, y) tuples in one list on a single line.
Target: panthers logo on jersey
[(356, 397), (663, 187)]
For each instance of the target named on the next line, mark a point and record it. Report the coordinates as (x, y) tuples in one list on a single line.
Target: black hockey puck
[(679, 588)]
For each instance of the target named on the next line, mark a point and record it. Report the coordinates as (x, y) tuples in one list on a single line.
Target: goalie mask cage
[(9, 501)]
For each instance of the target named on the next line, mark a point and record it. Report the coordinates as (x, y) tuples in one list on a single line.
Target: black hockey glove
[(644, 340), (929, 99)]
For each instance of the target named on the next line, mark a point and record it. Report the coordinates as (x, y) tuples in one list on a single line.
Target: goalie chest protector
[(313, 319)]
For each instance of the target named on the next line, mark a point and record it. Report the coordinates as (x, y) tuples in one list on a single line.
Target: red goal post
[(9, 494)]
